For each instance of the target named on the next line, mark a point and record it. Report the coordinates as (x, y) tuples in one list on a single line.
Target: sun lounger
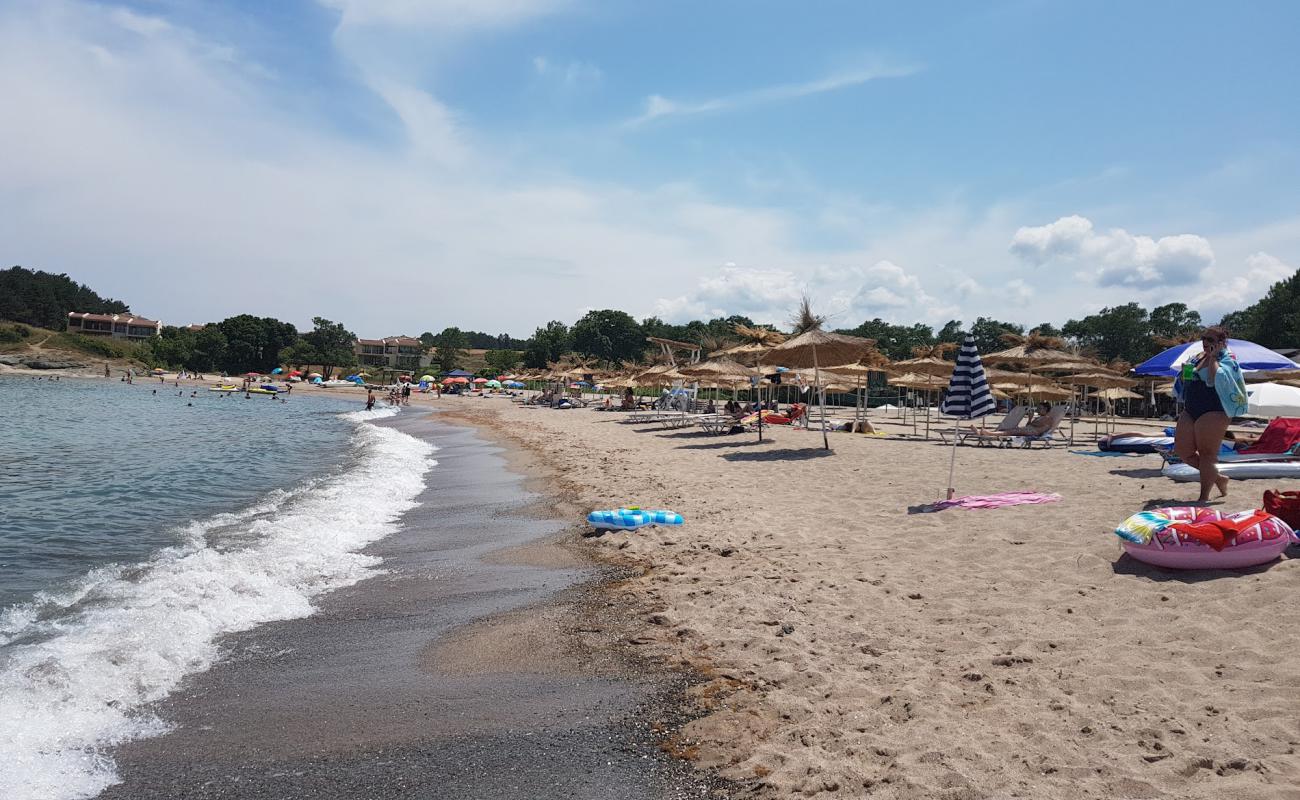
[(1010, 421), (720, 423), (1046, 439)]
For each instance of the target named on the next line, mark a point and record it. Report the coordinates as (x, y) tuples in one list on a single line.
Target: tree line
[(1128, 332), (43, 299)]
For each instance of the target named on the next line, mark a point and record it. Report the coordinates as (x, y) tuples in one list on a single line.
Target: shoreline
[(464, 660)]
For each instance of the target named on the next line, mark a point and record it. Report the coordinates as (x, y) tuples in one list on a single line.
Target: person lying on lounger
[(1041, 424)]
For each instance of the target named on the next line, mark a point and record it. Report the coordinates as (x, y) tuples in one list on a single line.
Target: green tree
[(988, 334), (300, 354), (332, 343), (951, 332), (1274, 321), (1174, 321), (44, 299), (1116, 332), (208, 349), (450, 349), (428, 339), (895, 341), (610, 336), (547, 345), (253, 344), (1047, 329), (501, 361)]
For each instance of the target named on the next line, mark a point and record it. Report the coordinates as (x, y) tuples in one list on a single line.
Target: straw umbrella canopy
[(815, 347), (724, 370), (1102, 380), (720, 372), (1116, 393), (1004, 376), (926, 365), (1045, 391), (659, 375)]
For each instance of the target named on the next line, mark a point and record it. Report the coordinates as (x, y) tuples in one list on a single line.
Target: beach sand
[(854, 649)]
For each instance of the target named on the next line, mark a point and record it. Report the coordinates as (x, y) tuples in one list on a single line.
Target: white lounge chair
[(1010, 421)]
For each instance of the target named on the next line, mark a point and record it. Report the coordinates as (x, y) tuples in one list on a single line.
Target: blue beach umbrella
[(277, 370), (969, 396), (1250, 356)]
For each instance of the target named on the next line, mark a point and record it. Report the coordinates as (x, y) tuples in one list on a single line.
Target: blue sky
[(405, 165)]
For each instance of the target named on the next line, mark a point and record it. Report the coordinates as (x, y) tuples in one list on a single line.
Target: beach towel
[(1283, 505), (1280, 436), (992, 501), (1219, 533)]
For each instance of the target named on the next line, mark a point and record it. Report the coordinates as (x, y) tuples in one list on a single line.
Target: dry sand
[(859, 650)]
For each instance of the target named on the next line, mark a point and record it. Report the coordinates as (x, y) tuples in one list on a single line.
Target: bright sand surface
[(855, 649)]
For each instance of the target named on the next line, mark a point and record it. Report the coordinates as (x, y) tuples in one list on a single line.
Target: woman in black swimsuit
[(1203, 422)]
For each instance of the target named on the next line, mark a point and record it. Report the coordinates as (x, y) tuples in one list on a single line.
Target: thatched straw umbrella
[(723, 369), (814, 348)]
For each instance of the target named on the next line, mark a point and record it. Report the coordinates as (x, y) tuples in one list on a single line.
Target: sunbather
[(1041, 424)]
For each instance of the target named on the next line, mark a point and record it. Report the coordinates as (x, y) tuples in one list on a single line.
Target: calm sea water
[(96, 473), (137, 527)]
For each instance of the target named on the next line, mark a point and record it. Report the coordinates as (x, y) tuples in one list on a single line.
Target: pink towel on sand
[(993, 501)]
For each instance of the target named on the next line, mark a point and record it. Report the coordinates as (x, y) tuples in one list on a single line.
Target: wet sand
[(480, 665)]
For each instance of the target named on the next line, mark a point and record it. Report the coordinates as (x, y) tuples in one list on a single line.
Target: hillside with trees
[(44, 299)]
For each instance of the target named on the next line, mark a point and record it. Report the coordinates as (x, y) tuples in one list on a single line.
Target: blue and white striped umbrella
[(969, 396)]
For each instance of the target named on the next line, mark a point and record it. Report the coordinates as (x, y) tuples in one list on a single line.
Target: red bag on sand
[(1284, 505)]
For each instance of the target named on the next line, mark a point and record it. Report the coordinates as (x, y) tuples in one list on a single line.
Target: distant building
[(116, 326), (395, 352)]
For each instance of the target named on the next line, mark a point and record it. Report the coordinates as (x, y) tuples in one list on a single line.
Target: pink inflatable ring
[(1148, 538)]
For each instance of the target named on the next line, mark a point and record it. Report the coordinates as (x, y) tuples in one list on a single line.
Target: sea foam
[(82, 667)]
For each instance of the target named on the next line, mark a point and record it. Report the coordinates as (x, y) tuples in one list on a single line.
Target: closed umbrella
[(969, 396)]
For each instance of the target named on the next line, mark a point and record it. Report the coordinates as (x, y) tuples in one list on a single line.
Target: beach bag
[(1283, 505)]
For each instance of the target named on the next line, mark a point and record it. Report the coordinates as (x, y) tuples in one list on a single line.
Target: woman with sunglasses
[(1213, 392)]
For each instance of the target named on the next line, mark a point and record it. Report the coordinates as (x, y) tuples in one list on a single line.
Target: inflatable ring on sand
[(628, 519), (1149, 537)]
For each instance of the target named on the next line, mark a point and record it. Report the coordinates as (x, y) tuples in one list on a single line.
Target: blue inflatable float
[(629, 519)]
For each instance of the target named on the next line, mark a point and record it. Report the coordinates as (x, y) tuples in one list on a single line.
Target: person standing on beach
[(1212, 391), (370, 399)]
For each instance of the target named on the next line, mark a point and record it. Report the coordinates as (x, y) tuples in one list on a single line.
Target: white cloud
[(658, 107), (766, 295), (848, 293), (1240, 288), (1116, 257), (197, 192), (459, 16), (570, 75)]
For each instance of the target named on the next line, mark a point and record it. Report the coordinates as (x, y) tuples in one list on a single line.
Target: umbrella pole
[(952, 462), (821, 398)]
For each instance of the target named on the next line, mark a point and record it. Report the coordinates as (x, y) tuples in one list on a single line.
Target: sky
[(407, 165)]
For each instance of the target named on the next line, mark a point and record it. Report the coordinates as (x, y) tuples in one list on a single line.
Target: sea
[(139, 523)]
